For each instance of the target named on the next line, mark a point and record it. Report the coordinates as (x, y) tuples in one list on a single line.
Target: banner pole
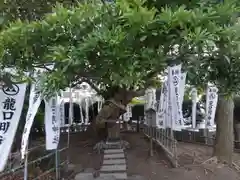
[(194, 106), (26, 164), (61, 116), (57, 164), (69, 124)]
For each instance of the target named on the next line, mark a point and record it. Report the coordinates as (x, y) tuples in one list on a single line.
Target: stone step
[(105, 178), (118, 176), (114, 147), (114, 156), (113, 151), (113, 168), (114, 161), (113, 142), (84, 176), (136, 177)]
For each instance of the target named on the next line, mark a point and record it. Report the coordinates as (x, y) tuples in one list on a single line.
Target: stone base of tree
[(114, 133)]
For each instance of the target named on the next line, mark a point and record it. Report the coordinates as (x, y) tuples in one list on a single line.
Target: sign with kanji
[(211, 105), (174, 79), (34, 103), (52, 122), (11, 104)]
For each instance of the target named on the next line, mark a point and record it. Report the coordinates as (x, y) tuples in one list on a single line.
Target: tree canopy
[(29, 10), (126, 43)]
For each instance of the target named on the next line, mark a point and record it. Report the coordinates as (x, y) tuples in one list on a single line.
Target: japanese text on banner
[(11, 108), (52, 122), (174, 80), (34, 103), (211, 105)]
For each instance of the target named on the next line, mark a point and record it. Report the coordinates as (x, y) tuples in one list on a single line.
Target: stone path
[(113, 167), (114, 164)]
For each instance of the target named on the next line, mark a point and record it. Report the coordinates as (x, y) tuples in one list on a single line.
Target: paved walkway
[(114, 164)]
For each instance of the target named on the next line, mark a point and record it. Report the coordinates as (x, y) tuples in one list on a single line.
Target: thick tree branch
[(76, 83), (151, 74), (140, 92), (92, 85), (84, 79), (43, 66)]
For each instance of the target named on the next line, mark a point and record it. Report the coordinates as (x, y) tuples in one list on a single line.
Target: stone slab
[(114, 156), (74, 167), (113, 146), (113, 142), (84, 176), (114, 161), (113, 151), (136, 177), (118, 176), (113, 168), (106, 178)]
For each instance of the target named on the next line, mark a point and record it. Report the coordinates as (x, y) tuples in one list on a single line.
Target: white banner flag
[(194, 107), (71, 108), (211, 105), (100, 104), (62, 113), (127, 115), (86, 110), (174, 81), (150, 99), (81, 113), (162, 108), (182, 90), (52, 122), (34, 103), (129, 110), (150, 103), (168, 104), (12, 99), (182, 87)]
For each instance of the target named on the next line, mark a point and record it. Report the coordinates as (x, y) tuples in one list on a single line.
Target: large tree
[(123, 46), (29, 10)]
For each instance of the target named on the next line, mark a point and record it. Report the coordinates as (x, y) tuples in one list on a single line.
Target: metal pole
[(57, 164), (26, 165)]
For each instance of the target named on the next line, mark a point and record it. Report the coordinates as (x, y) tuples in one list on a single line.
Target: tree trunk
[(111, 111), (107, 118), (224, 142), (237, 122), (237, 135)]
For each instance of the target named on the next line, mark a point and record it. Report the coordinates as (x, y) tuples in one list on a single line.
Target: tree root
[(236, 167), (211, 160), (214, 160), (101, 146), (124, 144)]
